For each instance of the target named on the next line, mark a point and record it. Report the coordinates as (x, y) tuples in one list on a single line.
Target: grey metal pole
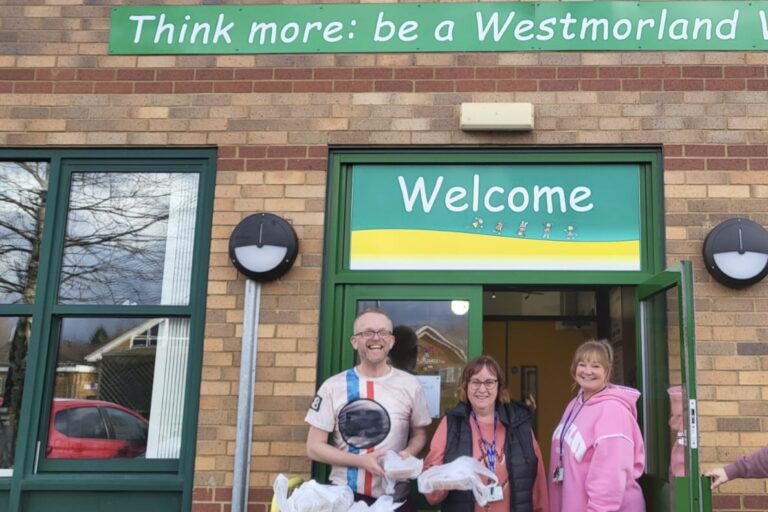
[(244, 433)]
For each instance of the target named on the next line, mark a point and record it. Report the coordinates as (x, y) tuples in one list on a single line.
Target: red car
[(94, 429)]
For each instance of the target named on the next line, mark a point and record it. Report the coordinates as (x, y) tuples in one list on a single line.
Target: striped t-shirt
[(367, 414)]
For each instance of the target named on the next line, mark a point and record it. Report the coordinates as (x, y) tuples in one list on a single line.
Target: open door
[(665, 317)]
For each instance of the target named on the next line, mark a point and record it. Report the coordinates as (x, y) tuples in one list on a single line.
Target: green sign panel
[(439, 27), (496, 217)]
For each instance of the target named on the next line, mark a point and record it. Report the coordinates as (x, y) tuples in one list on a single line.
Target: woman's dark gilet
[(519, 455)]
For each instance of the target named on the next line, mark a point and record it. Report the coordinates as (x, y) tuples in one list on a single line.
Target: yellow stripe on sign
[(417, 249)]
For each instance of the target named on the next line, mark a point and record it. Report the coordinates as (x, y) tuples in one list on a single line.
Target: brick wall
[(273, 118)]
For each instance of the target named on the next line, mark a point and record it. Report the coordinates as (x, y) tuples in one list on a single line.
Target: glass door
[(437, 330), (667, 357)]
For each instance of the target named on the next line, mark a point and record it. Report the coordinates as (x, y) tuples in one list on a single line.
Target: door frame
[(691, 492), (340, 283)]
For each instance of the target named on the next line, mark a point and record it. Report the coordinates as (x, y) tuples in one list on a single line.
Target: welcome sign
[(495, 217), (439, 27)]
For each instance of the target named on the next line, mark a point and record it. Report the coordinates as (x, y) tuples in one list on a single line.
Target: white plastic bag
[(462, 474), (312, 497), (396, 468), (383, 504)]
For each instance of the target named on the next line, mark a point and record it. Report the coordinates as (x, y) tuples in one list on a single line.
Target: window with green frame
[(103, 258)]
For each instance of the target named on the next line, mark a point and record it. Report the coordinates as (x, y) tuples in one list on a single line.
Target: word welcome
[(494, 198), (337, 28)]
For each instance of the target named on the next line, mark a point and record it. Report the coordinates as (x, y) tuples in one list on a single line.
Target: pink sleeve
[(540, 497), (436, 457), (612, 461)]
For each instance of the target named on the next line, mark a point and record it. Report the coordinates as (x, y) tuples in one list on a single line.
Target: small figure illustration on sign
[(547, 230)]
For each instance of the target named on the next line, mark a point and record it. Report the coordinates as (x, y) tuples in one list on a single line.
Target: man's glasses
[(369, 335), (489, 384)]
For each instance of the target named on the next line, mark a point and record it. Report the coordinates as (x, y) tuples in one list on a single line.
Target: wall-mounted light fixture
[(263, 246), (497, 116), (736, 252)]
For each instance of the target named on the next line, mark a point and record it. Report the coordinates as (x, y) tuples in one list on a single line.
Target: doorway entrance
[(533, 333), (438, 237)]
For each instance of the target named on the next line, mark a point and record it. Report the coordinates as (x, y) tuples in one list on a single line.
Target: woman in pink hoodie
[(597, 449)]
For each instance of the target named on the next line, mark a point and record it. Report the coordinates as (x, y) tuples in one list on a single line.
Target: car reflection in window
[(94, 429)]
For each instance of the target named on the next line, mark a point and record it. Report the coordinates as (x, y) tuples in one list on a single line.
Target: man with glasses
[(370, 409)]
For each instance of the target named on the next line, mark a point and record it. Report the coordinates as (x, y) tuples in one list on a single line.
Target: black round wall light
[(263, 246), (736, 252)]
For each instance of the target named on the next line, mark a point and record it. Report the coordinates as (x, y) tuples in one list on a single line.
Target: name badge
[(493, 493), (557, 476)]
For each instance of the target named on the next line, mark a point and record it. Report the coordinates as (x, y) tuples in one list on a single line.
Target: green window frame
[(32, 471)]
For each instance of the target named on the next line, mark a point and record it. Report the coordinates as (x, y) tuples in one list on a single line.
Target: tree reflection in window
[(22, 209), (14, 338), (120, 227)]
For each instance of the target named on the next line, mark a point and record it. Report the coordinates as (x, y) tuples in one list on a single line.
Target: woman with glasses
[(597, 449), (486, 425)]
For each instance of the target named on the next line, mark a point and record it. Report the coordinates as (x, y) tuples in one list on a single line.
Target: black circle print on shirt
[(363, 423)]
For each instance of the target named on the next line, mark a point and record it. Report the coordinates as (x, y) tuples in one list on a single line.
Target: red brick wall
[(273, 118)]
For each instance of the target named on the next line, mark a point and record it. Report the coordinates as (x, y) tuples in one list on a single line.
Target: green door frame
[(691, 492), (339, 281)]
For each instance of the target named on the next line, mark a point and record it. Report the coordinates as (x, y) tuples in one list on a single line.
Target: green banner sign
[(496, 217), (439, 27)]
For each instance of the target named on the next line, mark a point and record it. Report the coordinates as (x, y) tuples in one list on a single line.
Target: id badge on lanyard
[(557, 476), (491, 493), (559, 473)]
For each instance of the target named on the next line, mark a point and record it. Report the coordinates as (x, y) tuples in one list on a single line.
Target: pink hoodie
[(603, 454)]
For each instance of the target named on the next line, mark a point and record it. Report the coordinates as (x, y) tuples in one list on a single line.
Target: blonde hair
[(599, 351)]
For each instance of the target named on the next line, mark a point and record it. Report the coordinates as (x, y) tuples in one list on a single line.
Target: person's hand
[(718, 477), (370, 462), (404, 454)]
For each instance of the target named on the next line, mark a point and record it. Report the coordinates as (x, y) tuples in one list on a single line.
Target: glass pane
[(126, 426), (14, 340), (22, 209), (678, 400), (129, 239), (128, 372), (80, 423), (431, 340), (661, 333)]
